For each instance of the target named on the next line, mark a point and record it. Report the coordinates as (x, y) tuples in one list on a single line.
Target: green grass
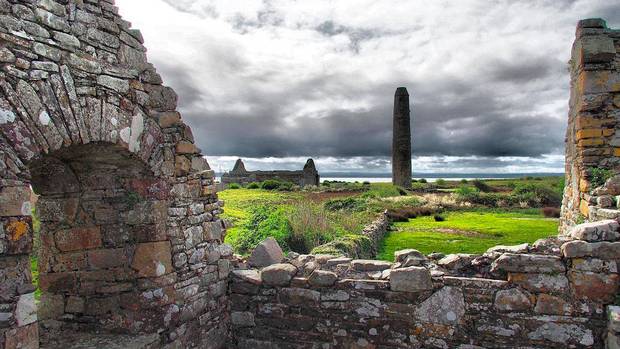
[(297, 220), (473, 232)]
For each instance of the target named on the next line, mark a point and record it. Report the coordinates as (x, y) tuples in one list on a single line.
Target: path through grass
[(467, 232)]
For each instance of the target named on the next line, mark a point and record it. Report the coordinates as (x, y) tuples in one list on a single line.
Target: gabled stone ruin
[(131, 251), (307, 176)]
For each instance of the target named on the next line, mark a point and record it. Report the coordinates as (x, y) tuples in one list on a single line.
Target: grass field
[(468, 232), (297, 220)]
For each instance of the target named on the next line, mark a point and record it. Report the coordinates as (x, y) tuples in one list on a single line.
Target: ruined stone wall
[(307, 176), (130, 234), (592, 139), (556, 293), (551, 295)]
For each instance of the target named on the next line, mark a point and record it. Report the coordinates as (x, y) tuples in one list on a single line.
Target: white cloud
[(315, 78)]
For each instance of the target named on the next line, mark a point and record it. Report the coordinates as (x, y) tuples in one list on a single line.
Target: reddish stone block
[(15, 201), (597, 287), (25, 337), (100, 306), (78, 239), (152, 259), (108, 258), (150, 188), (70, 262), (186, 148), (547, 304), (150, 233), (97, 275), (58, 282)]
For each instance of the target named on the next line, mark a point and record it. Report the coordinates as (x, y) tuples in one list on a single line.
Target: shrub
[(441, 182), (351, 204), (422, 180), (551, 212), (438, 218), (286, 186), (253, 185), (234, 186), (482, 186), (366, 183), (598, 176), (537, 194), (463, 181), (271, 184), (406, 213)]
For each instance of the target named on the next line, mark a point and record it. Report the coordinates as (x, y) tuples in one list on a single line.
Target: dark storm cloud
[(510, 101)]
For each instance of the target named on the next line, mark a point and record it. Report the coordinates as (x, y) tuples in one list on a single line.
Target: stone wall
[(592, 140), (553, 297), (130, 234), (307, 176)]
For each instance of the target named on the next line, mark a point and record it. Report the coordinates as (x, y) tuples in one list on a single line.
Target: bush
[(463, 181), (422, 180), (482, 186), (271, 184), (234, 186), (441, 182), (438, 218), (286, 186), (406, 213), (475, 196), (350, 204), (253, 185), (366, 183), (551, 212), (537, 195), (598, 176)]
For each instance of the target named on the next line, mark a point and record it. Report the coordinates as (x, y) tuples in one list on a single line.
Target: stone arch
[(86, 122), (103, 238)]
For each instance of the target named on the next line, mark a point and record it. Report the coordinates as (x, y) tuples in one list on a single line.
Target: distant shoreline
[(431, 177)]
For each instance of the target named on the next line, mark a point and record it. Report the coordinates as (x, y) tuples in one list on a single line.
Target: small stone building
[(308, 176)]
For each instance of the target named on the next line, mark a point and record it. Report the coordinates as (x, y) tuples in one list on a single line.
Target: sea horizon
[(430, 177)]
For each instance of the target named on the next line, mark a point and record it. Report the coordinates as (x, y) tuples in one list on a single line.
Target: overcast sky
[(275, 82)]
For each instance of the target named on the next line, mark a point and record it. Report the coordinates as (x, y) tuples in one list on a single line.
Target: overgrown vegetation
[(598, 176), (330, 217), (514, 194)]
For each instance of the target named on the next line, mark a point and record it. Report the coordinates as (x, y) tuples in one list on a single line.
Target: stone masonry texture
[(131, 251), (401, 140), (592, 140), (130, 239)]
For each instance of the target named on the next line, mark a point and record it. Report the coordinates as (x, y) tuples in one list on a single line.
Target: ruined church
[(307, 176)]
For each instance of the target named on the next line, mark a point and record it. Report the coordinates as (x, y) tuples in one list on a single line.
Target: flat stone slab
[(86, 340)]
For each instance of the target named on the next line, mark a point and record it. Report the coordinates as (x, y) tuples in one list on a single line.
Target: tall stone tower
[(401, 140)]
